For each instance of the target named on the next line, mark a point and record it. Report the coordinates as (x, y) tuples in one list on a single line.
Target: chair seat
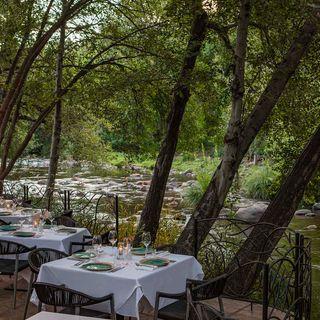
[(85, 312), (174, 311), (7, 266)]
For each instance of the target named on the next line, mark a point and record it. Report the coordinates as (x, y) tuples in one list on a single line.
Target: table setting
[(131, 274)]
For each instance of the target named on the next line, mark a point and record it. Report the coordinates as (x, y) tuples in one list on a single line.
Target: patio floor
[(235, 309)]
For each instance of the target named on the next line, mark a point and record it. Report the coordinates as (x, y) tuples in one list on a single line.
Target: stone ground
[(237, 310)]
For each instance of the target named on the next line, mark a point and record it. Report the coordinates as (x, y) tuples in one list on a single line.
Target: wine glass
[(97, 244), (112, 237), (146, 240)]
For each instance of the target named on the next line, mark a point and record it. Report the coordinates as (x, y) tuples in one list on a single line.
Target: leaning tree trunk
[(150, 216), (213, 199), (56, 130), (279, 213)]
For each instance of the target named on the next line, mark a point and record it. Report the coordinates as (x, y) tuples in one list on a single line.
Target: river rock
[(302, 212), (252, 213), (316, 208), (225, 212), (311, 214), (312, 227)]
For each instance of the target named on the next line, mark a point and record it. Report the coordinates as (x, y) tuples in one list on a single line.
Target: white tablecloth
[(15, 216), (128, 285), (49, 239), (58, 316)]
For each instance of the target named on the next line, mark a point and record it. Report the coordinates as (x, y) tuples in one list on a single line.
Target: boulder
[(312, 227), (311, 214), (302, 212), (253, 213), (316, 208)]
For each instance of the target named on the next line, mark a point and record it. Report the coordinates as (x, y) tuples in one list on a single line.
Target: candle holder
[(120, 254)]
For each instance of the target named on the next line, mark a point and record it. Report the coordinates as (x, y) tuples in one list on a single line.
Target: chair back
[(60, 296), (38, 257), (66, 221), (3, 223), (207, 289), (10, 247)]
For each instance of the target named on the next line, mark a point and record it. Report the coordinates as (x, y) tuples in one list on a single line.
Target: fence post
[(265, 297), (64, 200), (116, 211), (297, 309), (195, 232)]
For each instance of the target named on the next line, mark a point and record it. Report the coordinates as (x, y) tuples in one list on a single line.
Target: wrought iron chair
[(173, 248), (66, 221), (72, 301), (196, 292), (11, 267), (36, 259), (86, 242), (3, 223)]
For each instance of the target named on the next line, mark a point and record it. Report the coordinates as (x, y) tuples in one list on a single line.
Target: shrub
[(260, 182)]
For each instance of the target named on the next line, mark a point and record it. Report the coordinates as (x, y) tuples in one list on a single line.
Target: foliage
[(260, 182)]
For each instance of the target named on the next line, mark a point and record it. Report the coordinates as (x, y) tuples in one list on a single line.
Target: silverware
[(116, 269), (81, 262)]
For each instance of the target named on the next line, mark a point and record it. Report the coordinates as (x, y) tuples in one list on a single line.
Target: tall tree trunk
[(279, 213), (150, 216), (213, 199), (56, 129)]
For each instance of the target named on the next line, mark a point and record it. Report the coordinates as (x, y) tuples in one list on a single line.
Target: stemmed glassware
[(112, 237), (97, 244), (146, 240)]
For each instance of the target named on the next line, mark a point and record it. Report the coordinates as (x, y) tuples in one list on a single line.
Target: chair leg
[(39, 306), (113, 312), (77, 311), (221, 305), (28, 295), (15, 282)]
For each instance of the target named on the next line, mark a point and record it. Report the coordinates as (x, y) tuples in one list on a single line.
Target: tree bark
[(57, 127), (213, 199), (279, 213), (150, 216)]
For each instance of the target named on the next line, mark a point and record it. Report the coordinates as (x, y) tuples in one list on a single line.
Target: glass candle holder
[(120, 250)]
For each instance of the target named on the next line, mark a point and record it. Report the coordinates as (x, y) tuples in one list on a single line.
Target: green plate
[(84, 255), (8, 228), (155, 262), (140, 251), (67, 230), (25, 234), (4, 213), (97, 266)]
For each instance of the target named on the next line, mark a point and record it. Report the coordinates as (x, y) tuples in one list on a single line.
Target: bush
[(260, 182)]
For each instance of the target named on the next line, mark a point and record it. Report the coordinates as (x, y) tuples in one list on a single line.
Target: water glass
[(112, 237), (97, 244), (146, 240)]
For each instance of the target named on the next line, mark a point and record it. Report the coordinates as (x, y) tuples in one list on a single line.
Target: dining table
[(130, 280), (58, 238), (16, 216)]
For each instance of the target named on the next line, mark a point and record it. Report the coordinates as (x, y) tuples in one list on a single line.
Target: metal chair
[(66, 221), (11, 267), (3, 223), (72, 301), (173, 248), (196, 293), (36, 259), (87, 242)]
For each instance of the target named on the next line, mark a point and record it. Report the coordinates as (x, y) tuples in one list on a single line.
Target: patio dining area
[(54, 265)]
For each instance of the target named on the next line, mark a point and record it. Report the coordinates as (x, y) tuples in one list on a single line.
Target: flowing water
[(131, 184)]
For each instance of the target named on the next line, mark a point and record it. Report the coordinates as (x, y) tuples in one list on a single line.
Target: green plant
[(260, 182)]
